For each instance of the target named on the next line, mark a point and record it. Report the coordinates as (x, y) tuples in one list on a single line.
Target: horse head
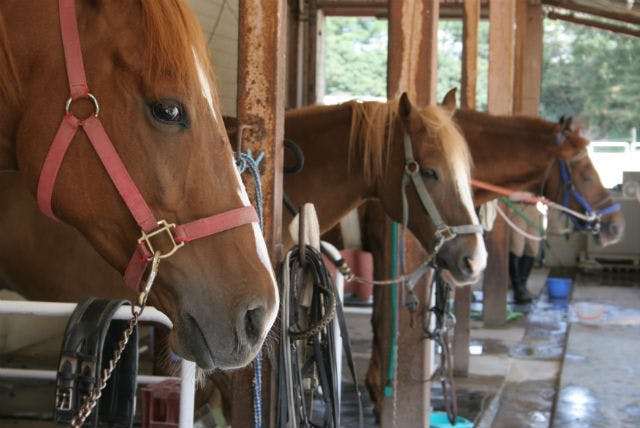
[(575, 183), (439, 164), (147, 65)]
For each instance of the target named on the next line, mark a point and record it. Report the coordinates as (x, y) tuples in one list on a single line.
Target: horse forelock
[(9, 82), (175, 48), (448, 137)]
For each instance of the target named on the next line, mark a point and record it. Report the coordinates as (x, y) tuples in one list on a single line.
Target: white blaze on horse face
[(479, 260), (205, 86)]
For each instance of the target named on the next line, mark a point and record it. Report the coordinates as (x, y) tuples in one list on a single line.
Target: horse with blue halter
[(518, 153), (108, 113)]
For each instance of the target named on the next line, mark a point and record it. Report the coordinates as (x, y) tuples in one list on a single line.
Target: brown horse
[(326, 180), (519, 153), (147, 66), (332, 138)]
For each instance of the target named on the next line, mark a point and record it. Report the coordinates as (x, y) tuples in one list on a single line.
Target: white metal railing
[(150, 314)]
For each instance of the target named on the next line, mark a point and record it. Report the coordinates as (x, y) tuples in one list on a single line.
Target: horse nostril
[(253, 323)]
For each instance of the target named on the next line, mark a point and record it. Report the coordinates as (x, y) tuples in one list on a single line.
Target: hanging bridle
[(569, 191), (178, 234)]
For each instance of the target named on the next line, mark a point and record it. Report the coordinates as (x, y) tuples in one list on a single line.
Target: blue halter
[(570, 190)]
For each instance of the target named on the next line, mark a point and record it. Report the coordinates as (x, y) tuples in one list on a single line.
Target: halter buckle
[(445, 234), (163, 226)]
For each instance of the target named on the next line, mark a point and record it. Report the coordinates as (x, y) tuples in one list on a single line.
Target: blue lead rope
[(243, 162)]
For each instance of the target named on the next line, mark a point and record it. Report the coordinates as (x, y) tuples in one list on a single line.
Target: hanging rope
[(245, 161), (307, 343)]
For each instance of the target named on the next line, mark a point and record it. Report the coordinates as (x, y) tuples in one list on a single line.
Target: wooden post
[(413, 48), (469, 77), (500, 101), (261, 100), (470, 21), (312, 53), (413, 26), (528, 58)]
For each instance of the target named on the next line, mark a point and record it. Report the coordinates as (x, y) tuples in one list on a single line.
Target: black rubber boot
[(514, 273), (522, 294)]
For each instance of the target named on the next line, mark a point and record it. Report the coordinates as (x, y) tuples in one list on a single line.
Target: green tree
[(593, 74), (356, 56)]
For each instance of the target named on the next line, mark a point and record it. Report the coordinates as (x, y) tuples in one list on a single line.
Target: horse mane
[(9, 82), (520, 125), (174, 43), (372, 129)]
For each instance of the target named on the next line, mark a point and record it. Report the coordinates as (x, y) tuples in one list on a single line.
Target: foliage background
[(586, 72)]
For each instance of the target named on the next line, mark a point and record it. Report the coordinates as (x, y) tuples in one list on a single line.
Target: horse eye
[(169, 113), (429, 173)]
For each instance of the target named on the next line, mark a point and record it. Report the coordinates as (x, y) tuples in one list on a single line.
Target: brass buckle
[(445, 234), (163, 226)]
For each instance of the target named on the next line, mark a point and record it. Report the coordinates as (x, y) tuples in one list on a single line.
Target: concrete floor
[(515, 379)]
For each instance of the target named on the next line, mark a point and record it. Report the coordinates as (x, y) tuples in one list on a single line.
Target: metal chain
[(91, 400)]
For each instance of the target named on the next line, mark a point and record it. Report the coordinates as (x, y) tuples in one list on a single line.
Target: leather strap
[(115, 167), (444, 232), (72, 51)]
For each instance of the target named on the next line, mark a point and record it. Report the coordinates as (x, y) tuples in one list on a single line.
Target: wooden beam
[(468, 81), (413, 26), (615, 13), (413, 36), (501, 56), (261, 100), (528, 65), (500, 101), (496, 276), (595, 24), (470, 22), (461, 334), (311, 62)]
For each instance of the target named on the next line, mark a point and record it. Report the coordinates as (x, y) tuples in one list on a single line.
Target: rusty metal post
[(261, 100)]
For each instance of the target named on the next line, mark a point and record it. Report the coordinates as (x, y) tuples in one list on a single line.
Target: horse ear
[(449, 100), (405, 107)]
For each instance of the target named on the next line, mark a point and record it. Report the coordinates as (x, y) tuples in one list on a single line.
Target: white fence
[(611, 158)]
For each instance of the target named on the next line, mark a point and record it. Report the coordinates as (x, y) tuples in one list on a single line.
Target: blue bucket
[(441, 420), (558, 288)]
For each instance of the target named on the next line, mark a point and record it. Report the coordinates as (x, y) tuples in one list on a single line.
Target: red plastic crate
[(161, 404)]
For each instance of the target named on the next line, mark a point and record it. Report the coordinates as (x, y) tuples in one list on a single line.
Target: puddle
[(487, 347), (577, 407), (541, 352), (525, 404)]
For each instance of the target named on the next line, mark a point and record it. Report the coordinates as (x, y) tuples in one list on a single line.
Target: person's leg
[(517, 244), (525, 264)]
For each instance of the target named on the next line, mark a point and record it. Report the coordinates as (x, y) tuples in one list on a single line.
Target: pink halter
[(179, 235)]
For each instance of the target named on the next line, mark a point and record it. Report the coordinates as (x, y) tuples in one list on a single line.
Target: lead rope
[(245, 161), (91, 400)]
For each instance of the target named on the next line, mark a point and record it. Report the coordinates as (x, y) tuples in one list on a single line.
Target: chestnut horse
[(348, 160), (152, 117), (520, 153)]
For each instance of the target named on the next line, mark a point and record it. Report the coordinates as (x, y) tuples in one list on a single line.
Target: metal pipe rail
[(150, 314)]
